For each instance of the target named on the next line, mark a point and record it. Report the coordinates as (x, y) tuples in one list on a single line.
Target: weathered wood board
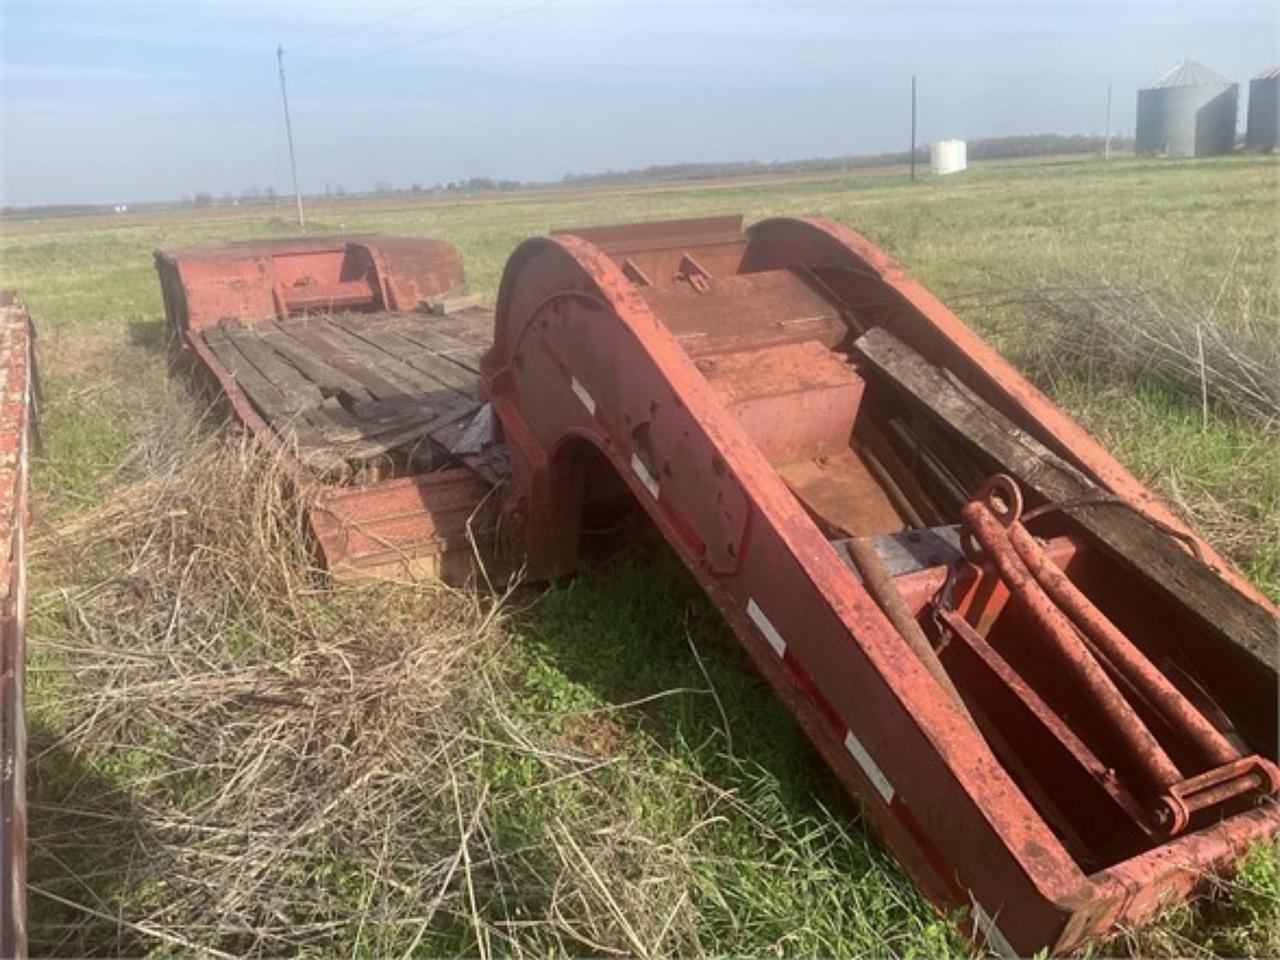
[(349, 388), (1213, 603)]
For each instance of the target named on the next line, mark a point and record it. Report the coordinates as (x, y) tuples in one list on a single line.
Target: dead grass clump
[(1213, 352), (253, 763)]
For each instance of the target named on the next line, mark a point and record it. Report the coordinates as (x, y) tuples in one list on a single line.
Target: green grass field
[(599, 772)]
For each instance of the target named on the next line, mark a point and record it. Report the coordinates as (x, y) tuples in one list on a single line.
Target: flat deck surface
[(351, 391)]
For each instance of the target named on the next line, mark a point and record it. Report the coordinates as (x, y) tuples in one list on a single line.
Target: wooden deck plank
[(405, 434), (346, 393), (385, 357), (438, 369), (299, 393), (262, 393), (331, 380), (308, 335), (344, 425), (271, 402), (466, 355)]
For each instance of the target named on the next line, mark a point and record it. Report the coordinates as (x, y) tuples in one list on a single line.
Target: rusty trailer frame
[(1054, 701)]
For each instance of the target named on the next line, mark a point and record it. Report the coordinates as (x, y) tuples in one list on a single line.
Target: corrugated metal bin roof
[(1188, 74)]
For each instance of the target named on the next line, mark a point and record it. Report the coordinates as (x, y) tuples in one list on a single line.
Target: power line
[(453, 31), (356, 28)]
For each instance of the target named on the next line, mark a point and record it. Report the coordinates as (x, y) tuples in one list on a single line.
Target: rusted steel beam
[(17, 432)]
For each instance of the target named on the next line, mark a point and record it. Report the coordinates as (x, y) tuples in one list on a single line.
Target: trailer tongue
[(1054, 701)]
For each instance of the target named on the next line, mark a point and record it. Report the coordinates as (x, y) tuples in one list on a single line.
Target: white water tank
[(948, 156)]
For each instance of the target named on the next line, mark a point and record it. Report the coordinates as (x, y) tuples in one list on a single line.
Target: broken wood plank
[(423, 363), (478, 433), (329, 379), (342, 359), (366, 420), (398, 437), (298, 392), (384, 356), (1216, 606)]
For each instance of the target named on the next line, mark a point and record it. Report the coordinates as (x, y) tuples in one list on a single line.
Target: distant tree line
[(986, 148)]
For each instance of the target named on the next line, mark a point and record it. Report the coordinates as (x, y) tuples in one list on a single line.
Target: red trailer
[(1055, 702), (18, 392), (357, 360)]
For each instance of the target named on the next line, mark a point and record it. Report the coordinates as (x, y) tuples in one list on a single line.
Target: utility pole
[(913, 128), (288, 129), (1106, 136)]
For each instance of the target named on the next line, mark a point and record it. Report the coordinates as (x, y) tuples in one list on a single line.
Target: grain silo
[(1264, 111), (1189, 111)]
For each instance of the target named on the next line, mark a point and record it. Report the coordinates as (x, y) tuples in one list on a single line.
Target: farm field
[(230, 756)]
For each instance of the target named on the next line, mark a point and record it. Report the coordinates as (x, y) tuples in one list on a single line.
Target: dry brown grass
[(262, 734), (247, 761), (1221, 353)]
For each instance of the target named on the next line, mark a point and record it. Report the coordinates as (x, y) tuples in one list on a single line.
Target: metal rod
[(288, 129), (1138, 742), (1151, 684), (900, 499), (879, 583)]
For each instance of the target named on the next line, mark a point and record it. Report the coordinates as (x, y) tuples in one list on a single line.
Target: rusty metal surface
[(17, 413), (881, 291), (660, 253), (599, 355), (1057, 633), (273, 279), (1094, 649), (430, 525)]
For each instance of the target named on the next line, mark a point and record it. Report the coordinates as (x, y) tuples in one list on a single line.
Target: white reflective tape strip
[(869, 767), (647, 478), (580, 392), (987, 927), (766, 627)]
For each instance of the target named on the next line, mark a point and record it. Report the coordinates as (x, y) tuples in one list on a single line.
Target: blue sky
[(143, 100)]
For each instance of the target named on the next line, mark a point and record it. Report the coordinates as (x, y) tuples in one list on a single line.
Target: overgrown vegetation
[(231, 755)]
